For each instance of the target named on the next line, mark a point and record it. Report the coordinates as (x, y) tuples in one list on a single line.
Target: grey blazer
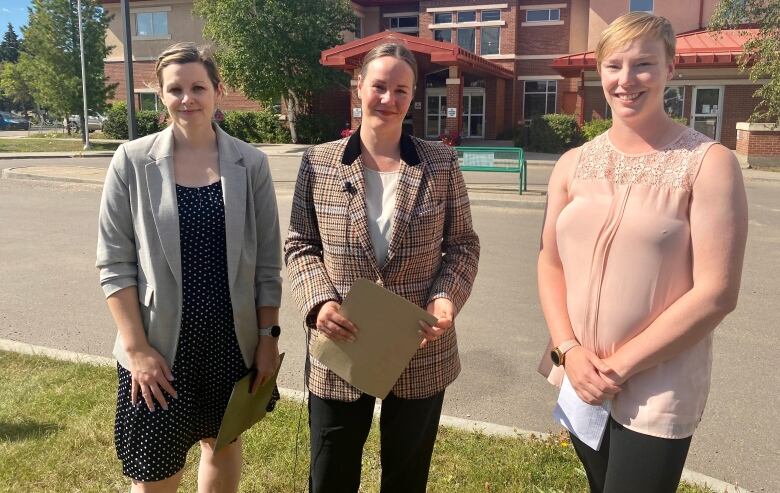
[(138, 237)]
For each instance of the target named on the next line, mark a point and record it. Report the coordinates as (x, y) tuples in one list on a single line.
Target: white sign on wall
[(418, 105), (357, 112), (452, 112)]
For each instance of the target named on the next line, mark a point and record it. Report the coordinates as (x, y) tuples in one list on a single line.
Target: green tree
[(13, 85), (761, 53), (51, 59), (271, 48), (9, 47)]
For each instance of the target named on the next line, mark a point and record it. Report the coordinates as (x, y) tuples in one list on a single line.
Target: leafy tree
[(13, 85), (271, 48), (9, 47), (51, 59), (761, 53)]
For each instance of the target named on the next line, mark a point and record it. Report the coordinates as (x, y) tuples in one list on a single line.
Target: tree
[(761, 53), (14, 86), (9, 47), (270, 49), (51, 59)]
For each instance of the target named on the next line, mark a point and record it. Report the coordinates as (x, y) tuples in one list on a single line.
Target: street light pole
[(85, 127), (132, 132)]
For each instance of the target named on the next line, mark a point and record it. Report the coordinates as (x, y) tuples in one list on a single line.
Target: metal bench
[(495, 159)]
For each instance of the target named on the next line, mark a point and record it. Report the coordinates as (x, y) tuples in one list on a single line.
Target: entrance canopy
[(349, 56), (696, 49)]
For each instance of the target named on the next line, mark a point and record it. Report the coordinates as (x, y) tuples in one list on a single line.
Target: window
[(540, 98), (151, 24), (467, 39), (490, 15), (543, 15), (489, 41), (674, 98), (148, 101), (403, 22), (443, 35), (467, 16), (442, 17), (640, 6)]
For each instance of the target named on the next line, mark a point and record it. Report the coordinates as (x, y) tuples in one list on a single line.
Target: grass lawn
[(34, 144), (56, 434)]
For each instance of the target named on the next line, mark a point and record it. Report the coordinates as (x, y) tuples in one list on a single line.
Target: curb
[(485, 428)]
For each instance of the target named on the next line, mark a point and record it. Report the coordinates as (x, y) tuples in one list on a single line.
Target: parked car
[(94, 122), (13, 122)]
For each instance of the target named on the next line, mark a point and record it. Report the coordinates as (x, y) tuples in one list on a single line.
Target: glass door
[(435, 112), (707, 110), (474, 113)]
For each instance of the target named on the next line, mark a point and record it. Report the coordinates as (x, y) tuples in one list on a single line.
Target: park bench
[(495, 159)]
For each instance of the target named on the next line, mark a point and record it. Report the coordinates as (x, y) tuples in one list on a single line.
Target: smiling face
[(386, 92), (634, 78), (189, 95)]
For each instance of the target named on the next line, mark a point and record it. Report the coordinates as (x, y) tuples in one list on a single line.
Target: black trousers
[(339, 430), (631, 461)]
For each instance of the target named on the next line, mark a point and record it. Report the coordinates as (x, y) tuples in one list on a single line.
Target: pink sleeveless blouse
[(625, 244)]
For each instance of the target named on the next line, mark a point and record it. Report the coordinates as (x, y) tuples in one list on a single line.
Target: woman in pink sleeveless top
[(640, 260)]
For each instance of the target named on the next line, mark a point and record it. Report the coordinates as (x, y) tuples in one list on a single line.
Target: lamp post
[(85, 127), (132, 131)]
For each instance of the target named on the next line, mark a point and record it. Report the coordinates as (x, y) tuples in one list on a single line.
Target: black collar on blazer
[(408, 149)]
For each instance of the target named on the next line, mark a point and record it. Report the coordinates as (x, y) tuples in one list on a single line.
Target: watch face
[(555, 357), (276, 331)]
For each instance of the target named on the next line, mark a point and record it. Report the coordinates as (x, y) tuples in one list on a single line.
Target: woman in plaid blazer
[(385, 206)]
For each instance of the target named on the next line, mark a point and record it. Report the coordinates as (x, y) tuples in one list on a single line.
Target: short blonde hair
[(395, 50), (634, 25), (187, 52)]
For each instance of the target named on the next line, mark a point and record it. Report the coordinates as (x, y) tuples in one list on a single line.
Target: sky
[(15, 12)]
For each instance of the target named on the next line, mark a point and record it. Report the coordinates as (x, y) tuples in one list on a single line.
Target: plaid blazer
[(433, 251)]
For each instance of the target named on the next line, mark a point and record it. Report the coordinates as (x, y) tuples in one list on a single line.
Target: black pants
[(631, 461), (339, 430)]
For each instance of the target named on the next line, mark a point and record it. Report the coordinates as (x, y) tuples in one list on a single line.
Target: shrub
[(149, 122), (595, 127), (316, 129), (115, 126), (553, 133), (255, 126)]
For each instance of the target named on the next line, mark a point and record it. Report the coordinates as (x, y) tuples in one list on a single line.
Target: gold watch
[(558, 354)]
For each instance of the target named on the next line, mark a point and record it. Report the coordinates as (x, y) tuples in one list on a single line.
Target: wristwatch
[(558, 354), (273, 331)]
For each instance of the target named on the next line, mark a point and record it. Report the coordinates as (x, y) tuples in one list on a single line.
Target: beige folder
[(386, 341)]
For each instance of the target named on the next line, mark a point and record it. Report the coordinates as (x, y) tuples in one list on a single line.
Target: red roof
[(699, 49), (349, 56)]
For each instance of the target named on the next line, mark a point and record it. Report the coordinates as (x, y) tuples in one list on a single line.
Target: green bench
[(495, 159)]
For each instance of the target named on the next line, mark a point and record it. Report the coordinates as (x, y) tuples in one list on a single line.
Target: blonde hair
[(187, 52), (395, 50), (634, 25)]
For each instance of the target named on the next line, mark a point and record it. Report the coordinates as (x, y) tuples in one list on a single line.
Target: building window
[(443, 35), (640, 6), (490, 15), (674, 99), (442, 17), (489, 40), (467, 39), (148, 101), (151, 24), (543, 15), (403, 24), (540, 98), (467, 16)]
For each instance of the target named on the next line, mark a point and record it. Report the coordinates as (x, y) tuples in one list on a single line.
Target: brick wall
[(738, 105), (542, 39), (758, 145)]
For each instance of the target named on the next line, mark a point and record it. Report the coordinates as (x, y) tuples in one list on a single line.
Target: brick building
[(485, 67)]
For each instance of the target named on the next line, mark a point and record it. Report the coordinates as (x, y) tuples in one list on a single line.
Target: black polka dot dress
[(153, 445)]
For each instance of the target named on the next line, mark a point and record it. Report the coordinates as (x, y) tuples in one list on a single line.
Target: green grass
[(34, 144), (64, 135), (56, 434)]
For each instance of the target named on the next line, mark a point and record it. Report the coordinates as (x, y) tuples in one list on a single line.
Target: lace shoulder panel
[(673, 166)]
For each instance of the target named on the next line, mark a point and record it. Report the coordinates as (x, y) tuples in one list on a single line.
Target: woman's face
[(189, 95), (634, 78), (386, 92)]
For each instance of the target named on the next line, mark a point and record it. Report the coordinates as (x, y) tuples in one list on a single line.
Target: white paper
[(586, 422)]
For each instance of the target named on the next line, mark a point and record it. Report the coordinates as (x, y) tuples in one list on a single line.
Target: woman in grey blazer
[(189, 257)]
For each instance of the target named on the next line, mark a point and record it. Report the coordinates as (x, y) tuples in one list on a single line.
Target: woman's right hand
[(151, 376), (584, 370), (333, 325)]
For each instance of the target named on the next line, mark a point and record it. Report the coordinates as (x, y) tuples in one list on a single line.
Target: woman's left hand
[(444, 311), (266, 360)]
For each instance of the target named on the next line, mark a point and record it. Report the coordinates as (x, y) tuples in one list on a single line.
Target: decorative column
[(355, 111), (454, 101)]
